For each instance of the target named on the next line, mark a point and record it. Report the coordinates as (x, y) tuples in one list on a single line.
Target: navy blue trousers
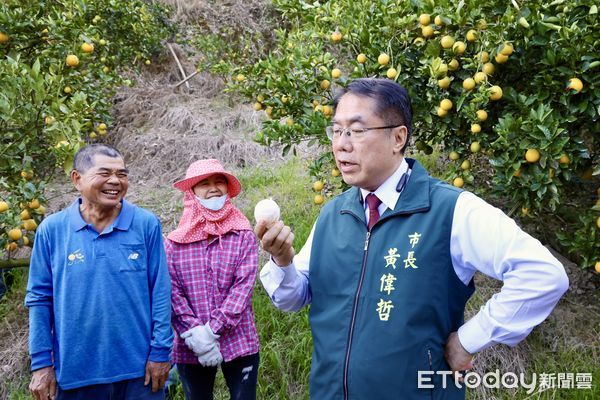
[(129, 389)]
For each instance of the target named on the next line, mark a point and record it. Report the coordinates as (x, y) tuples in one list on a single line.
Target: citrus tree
[(509, 91), (60, 62)]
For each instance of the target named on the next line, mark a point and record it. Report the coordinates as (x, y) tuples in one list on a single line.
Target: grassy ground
[(566, 343), (285, 338), (14, 333)]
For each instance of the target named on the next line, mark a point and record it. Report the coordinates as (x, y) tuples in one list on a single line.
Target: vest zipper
[(354, 310), (356, 296), (430, 369)]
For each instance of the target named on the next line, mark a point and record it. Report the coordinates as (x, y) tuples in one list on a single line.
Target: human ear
[(400, 136), (75, 178)]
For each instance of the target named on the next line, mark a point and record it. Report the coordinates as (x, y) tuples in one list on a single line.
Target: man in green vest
[(388, 266)]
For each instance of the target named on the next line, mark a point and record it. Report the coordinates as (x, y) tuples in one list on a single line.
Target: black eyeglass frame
[(356, 133)]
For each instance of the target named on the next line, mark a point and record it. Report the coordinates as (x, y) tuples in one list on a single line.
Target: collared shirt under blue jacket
[(99, 303)]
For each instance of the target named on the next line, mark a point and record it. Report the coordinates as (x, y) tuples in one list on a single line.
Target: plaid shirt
[(212, 280)]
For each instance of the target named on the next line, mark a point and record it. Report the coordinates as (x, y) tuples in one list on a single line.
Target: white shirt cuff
[(272, 275), (473, 336)]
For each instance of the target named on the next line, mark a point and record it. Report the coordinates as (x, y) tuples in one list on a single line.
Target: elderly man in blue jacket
[(99, 292)]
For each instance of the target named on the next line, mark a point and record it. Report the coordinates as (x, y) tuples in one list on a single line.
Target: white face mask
[(214, 203)]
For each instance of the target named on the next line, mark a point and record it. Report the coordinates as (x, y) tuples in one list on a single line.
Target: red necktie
[(373, 202)]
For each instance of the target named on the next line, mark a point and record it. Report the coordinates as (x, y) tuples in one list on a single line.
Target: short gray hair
[(84, 159)]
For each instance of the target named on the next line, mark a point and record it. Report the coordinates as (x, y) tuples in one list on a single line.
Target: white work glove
[(211, 359), (201, 339)]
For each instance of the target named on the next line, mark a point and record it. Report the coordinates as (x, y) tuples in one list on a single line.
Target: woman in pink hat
[(213, 257)]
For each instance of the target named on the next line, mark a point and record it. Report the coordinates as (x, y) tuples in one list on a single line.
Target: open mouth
[(346, 166), (111, 192)]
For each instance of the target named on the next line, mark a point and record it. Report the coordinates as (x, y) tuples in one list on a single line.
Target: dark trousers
[(241, 375), (129, 389)]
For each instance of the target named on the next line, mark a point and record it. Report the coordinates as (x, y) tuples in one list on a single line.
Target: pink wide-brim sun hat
[(202, 169)]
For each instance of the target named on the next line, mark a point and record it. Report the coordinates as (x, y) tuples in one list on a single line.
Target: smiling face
[(104, 184), (369, 161), (213, 186)]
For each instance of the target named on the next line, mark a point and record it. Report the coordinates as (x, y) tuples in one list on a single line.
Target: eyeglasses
[(352, 133)]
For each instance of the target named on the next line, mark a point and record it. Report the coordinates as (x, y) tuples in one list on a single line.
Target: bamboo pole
[(183, 74), (187, 79)]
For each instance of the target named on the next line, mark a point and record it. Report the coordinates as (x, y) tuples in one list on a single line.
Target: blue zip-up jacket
[(385, 301), (99, 304)]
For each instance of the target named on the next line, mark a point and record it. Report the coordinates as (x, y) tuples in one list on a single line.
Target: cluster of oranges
[(319, 186), (486, 67), (456, 48), (452, 50), (73, 61), (18, 235)]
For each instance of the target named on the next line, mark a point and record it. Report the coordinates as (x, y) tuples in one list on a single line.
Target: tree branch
[(14, 263)]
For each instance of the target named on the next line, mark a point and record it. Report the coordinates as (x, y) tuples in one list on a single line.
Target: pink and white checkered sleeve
[(183, 317), (228, 315)]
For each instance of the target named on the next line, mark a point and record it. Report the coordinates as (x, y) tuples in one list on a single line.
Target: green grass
[(285, 338)]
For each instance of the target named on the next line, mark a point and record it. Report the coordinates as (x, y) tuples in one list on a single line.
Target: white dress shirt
[(482, 239)]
